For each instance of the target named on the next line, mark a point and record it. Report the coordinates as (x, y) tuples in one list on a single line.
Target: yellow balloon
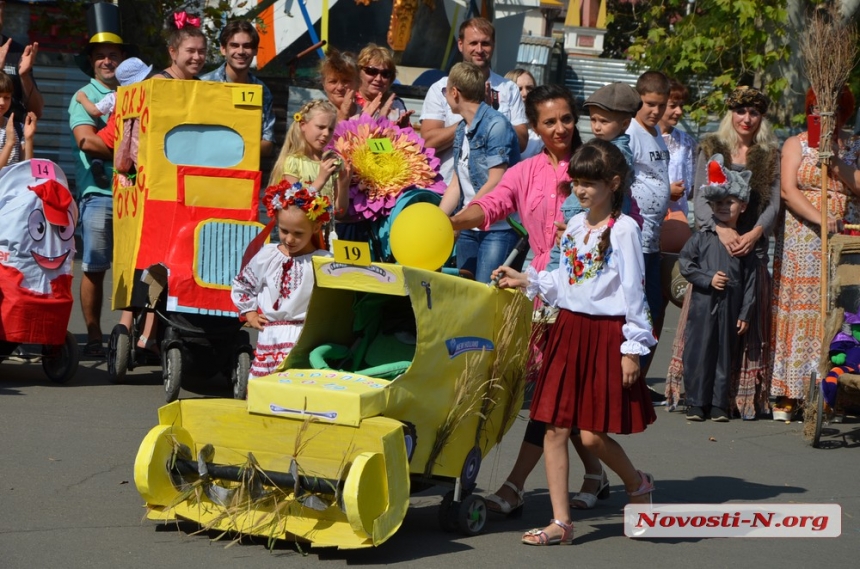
[(422, 237)]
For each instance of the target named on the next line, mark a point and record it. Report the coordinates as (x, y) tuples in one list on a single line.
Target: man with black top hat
[(17, 61), (99, 60)]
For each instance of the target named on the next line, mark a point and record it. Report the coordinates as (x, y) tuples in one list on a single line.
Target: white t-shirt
[(466, 187), (650, 186), (534, 146), (436, 108), (682, 148)]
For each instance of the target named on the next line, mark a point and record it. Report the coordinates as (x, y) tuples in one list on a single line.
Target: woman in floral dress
[(797, 255)]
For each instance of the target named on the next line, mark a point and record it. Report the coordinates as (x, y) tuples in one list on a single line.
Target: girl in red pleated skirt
[(590, 376)]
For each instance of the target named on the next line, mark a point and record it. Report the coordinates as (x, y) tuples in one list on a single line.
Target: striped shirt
[(17, 149)]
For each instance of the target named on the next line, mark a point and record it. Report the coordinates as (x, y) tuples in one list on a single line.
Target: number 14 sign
[(42, 169)]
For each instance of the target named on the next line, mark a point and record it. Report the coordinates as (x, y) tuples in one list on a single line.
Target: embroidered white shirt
[(612, 287)]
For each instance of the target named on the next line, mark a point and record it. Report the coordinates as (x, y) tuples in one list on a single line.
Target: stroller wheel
[(60, 363), (172, 374), (241, 369), (472, 515), (119, 353)]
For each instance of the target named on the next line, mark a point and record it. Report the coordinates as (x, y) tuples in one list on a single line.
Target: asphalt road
[(68, 500)]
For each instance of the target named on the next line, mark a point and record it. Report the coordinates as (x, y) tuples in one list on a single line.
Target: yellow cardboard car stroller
[(402, 379)]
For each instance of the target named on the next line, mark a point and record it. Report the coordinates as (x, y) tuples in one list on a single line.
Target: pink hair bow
[(181, 19)]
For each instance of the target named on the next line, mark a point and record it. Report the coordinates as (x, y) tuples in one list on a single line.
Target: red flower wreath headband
[(284, 194)]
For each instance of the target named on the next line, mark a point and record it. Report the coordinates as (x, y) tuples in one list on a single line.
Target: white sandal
[(590, 500), (502, 505)]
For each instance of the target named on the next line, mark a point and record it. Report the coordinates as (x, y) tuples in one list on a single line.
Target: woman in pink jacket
[(535, 189)]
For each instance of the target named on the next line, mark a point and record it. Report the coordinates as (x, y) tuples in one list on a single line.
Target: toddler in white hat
[(131, 70)]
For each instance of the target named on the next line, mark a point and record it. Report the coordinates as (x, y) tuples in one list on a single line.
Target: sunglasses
[(373, 72)]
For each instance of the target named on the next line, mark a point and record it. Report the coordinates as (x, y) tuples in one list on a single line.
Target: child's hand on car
[(509, 278)]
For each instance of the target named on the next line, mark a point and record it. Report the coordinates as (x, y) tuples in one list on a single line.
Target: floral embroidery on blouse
[(582, 265), (291, 279)]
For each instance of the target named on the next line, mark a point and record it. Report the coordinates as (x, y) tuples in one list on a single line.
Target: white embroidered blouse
[(278, 285), (613, 287)]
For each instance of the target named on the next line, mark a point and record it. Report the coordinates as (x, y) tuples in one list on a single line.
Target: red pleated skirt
[(580, 380)]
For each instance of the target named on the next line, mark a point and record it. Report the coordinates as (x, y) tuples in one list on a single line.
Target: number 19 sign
[(351, 252)]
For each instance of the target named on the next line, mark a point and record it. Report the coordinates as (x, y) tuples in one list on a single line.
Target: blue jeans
[(96, 232), (482, 252)]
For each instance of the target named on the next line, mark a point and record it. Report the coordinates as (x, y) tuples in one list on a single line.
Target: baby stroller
[(402, 379), (186, 199), (190, 344), (37, 248)]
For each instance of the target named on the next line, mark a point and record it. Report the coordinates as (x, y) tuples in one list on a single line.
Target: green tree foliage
[(621, 28), (713, 46)]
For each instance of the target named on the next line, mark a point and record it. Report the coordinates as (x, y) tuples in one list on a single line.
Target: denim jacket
[(492, 141)]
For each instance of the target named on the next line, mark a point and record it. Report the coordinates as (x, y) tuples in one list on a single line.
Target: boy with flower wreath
[(273, 290)]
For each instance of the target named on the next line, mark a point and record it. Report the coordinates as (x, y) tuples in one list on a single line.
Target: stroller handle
[(521, 247)]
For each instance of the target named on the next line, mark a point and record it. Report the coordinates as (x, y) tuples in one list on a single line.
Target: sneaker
[(718, 415), (695, 414)]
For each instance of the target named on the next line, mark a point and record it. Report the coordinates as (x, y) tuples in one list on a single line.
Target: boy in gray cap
[(611, 107), (722, 299)]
